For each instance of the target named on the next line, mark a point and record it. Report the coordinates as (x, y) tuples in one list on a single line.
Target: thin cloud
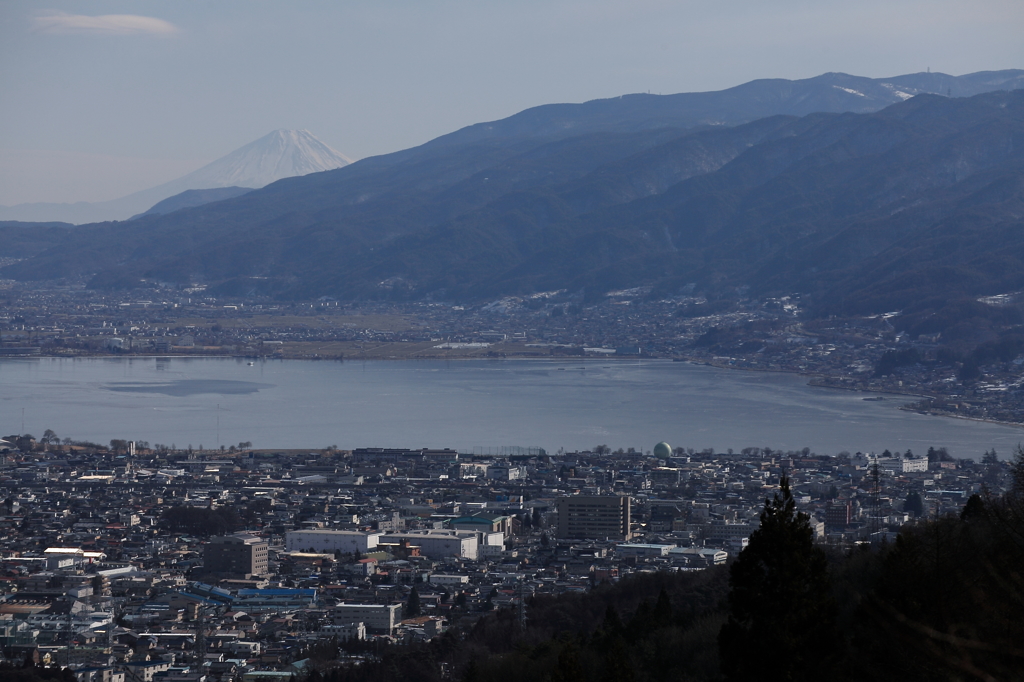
[(107, 25)]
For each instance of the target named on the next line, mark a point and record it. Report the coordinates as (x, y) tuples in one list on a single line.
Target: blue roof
[(278, 592)]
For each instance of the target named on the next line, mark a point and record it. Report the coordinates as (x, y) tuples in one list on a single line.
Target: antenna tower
[(876, 503), (521, 606), (199, 650)]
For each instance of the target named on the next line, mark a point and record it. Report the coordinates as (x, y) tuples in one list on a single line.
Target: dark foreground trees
[(781, 611), (947, 600)]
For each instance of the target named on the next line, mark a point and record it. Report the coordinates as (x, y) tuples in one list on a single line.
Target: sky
[(99, 99)]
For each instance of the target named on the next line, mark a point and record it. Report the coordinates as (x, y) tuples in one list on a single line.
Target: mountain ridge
[(851, 210), (193, 197)]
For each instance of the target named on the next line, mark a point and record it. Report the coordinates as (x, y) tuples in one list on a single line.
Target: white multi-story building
[(347, 541), (897, 465), (380, 618), (346, 632)]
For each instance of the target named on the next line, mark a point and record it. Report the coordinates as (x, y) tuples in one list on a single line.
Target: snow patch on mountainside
[(852, 92)]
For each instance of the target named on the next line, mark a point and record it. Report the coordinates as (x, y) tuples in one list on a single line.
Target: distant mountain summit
[(281, 154)]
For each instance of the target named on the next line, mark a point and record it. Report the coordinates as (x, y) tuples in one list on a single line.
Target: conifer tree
[(568, 668), (412, 606), (781, 612)]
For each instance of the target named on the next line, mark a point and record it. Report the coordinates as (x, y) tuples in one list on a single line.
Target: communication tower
[(521, 606), (199, 650), (876, 504)]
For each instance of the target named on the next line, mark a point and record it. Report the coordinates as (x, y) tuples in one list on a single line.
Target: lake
[(466, 404)]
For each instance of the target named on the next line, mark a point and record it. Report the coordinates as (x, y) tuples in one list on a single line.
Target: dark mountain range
[(912, 207), (830, 92)]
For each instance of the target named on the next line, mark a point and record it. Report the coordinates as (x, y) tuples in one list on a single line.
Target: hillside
[(912, 207), (193, 197)]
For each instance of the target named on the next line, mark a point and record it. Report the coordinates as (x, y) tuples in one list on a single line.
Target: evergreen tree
[(974, 509), (781, 613), (412, 606), (914, 504), (1017, 472), (568, 668), (662, 615), (639, 625), (617, 665), (611, 627), (472, 672)]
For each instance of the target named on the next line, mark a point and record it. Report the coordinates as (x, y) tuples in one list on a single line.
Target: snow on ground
[(852, 92)]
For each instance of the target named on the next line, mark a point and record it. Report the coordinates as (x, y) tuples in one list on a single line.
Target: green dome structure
[(662, 450)]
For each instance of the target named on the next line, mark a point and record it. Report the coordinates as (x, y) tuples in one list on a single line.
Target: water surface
[(462, 404)]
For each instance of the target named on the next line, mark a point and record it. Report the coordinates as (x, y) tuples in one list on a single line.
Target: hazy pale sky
[(102, 98)]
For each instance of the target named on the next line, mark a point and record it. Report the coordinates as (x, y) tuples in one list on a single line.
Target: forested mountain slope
[(910, 207)]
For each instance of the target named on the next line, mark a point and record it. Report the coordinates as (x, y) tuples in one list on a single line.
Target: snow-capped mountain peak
[(280, 154)]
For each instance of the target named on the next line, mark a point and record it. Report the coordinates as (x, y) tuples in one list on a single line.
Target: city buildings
[(200, 562)]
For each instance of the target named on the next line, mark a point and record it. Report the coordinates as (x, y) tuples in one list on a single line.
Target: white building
[(636, 549), (439, 543), (443, 579), (346, 632), (347, 541), (706, 555), (505, 472), (899, 465), (380, 618)]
